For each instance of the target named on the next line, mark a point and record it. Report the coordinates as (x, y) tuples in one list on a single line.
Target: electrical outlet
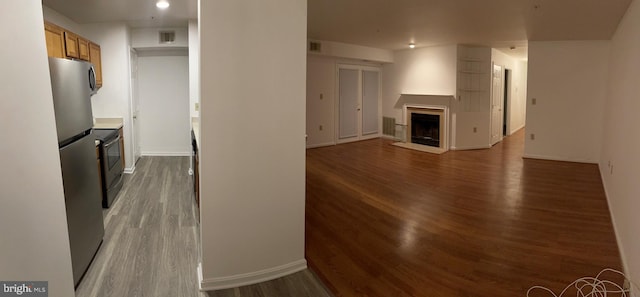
[(320, 127), (321, 96), (197, 106), (475, 129), (533, 136), (533, 101)]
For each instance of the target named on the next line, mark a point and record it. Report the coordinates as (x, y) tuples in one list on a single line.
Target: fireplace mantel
[(424, 99)]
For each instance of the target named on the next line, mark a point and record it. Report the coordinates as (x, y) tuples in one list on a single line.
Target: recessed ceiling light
[(412, 45), (162, 4)]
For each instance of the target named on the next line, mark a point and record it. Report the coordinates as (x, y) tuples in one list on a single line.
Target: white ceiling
[(137, 13), (393, 24)]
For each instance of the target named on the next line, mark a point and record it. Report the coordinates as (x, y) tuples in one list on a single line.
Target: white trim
[(310, 146), (446, 120), (130, 170), (473, 147), (385, 136), (557, 158), (516, 130), (166, 154), (225, 282), (625, 267)]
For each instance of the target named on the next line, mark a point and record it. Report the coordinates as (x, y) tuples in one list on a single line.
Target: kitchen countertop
[(107, 123), (195, 126)]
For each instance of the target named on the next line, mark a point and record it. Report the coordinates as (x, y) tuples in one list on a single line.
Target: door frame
[(135, 102), (360, 69), (501, 116)]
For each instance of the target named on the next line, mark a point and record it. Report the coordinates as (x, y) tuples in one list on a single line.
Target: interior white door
[(370, 96), (359, 103), (497, 93), (349, 106), (135, 109)]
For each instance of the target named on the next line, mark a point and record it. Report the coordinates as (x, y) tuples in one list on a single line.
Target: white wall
[(55, 17), (352, 51), (149, 38), (33, 222), (425, 71), (516, 108), (164, 104), (621, 141), (471, 116), (113, 99), (321, 79), (194, 68), (252, 133), (568, 80)]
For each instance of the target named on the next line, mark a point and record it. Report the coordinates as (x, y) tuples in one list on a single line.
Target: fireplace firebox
[(425, 129)]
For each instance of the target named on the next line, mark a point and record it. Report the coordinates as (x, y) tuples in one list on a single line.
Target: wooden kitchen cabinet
[(95, 57), (121, 133), (83, 49), (71, 45), (54, 36), (62, 43)]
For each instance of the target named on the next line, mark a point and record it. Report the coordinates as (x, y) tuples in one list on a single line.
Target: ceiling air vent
[(167, 37), (315, 46)]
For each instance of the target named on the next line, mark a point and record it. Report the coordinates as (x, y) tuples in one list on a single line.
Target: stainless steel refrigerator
[(73, 83)]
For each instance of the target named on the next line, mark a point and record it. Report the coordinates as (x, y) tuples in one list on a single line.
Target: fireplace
[(425, 122), (425, 129)]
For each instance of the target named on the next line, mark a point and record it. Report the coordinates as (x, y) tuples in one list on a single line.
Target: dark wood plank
[(388, 221)]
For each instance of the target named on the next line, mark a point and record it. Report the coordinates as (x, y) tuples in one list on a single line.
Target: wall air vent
[(167, 37), (315, 46)]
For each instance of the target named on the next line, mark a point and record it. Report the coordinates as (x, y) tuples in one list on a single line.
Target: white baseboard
[(465, 148), (130, 170), (166, 154), (557, 158), (625, 267), (516, 129), (219, 283), (385, 136), (309, 146)]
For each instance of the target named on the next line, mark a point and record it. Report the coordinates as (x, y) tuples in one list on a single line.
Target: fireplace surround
[(426, 128)]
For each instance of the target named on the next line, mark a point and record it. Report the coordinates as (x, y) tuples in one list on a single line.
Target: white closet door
[(370, 95), (348, 98)]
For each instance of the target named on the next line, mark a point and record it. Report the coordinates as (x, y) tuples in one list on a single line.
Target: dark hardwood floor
[(387, 221)]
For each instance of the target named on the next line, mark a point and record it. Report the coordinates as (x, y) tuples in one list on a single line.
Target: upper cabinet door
[(55, 40), (83, 49), (71, 45), (95, 59)]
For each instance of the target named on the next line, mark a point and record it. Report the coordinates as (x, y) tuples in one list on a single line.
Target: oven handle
[(112, 142)]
